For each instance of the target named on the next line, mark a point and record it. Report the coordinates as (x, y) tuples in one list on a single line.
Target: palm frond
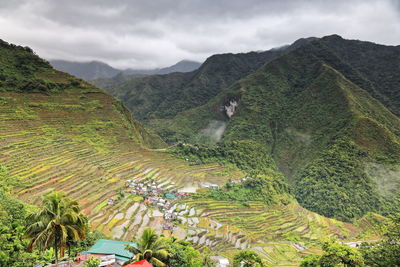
[(162, 254), (58, 221), (157, 263)]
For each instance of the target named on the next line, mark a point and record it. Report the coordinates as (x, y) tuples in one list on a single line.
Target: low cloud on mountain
[(148, 34)]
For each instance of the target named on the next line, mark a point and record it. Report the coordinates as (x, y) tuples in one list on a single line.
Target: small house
[(110, 250), (214, 186), (169, 196), (220, 261)]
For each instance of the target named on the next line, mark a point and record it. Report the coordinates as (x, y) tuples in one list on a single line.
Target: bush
[(247, 258), (92, 262)]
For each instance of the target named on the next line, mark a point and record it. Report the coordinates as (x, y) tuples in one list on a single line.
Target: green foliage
[(92, 262), (58, 221), (247, 258), (247, 155), (164, 96), (334, 184), (334, 255), (13, 243), (91, 237), (150, 247), (310, 260), (268, 189), (162, 251), (22, 70), (321, 130), (12, 225), (387, 251), (295, 108), (377, 64), (183, 254)]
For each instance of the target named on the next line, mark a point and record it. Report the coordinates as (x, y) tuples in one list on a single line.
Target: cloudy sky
[(158, 33)]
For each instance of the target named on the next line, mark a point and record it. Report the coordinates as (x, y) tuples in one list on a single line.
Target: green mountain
[(325, 111), (104, 74), (23, 72), (60, 133), (85, 70), (164, 96)]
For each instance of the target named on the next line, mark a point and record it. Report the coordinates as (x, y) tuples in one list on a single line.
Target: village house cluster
[(154, 195)]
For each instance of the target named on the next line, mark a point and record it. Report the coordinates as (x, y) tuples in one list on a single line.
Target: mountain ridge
[(155, 95), (313, 107), (93, 70), (60, 133)]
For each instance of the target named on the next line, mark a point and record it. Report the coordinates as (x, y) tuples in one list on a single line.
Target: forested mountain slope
[(337, 145), (60, 133), (164, 96)]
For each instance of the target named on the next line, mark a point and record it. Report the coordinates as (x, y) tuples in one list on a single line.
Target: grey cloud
[(157, 33)]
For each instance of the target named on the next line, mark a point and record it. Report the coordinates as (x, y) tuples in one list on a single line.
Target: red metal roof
[(143, 263)]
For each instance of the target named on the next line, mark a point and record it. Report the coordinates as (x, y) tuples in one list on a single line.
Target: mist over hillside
[(310, 104), (93, 70), (259, 151), (200, 133)]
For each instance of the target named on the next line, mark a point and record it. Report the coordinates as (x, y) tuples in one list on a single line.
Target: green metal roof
[(109, 247), (169, 196)]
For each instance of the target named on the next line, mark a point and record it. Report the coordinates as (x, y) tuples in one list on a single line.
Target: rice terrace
[(199, 133)]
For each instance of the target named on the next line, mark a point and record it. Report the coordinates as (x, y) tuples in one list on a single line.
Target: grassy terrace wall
[(79, 142), (281, 234)]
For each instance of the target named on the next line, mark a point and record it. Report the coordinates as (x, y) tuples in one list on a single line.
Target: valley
[(300, 153), (44, 152)]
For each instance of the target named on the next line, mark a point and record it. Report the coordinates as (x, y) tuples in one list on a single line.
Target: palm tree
[(150, 247), (58, 221)]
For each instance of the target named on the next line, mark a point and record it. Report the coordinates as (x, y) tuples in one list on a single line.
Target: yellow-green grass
[(275, 232), (47, 142), (80, 143)]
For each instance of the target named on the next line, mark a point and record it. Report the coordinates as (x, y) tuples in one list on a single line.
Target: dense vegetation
[(300, 114), (164, 96), (14, 223), (13, 242), (58, 222), (338, 176), (336, 144), (371, 66), (247, 259), (385, 252), (335, 254), (245, 154), (263, 183), (167, 251), (22, 70), (268, 189), (382, 253)]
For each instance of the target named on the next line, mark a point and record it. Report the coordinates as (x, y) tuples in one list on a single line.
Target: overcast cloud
[(158, 33)]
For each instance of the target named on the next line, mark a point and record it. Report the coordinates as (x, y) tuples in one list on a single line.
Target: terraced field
[(81, 143), (281, 234), (69, 136)]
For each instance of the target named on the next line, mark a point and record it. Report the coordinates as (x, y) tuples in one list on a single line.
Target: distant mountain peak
[(92, 70)]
